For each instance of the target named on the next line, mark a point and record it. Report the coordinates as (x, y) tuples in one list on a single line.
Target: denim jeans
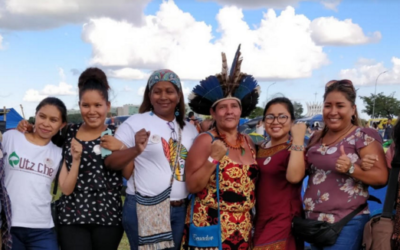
[(130, 222), (33, 239), (350, 238)]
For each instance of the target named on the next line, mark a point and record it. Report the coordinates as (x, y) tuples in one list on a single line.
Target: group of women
[(214, 190)]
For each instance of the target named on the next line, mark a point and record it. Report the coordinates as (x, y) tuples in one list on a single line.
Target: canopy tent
[(312, 119), (12, 118)]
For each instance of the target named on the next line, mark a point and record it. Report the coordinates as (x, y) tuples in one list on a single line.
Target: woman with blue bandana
[(157, 141)]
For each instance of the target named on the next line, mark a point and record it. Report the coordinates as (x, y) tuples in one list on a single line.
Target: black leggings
[(89, 237)]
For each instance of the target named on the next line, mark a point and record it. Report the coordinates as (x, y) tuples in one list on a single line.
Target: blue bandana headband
[(164, 75)]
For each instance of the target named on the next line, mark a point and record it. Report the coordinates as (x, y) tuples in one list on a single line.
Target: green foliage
[(385, 105), (256, 113), (298, 110), (74, 118), (31, 120)]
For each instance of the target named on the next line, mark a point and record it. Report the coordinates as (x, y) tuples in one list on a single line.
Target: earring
[(60, 132), (353, 118), (177, 112), (151, 111)]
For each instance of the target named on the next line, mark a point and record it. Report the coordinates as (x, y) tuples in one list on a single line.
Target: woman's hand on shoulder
[(111, 143), (368, 161), (24, 126)]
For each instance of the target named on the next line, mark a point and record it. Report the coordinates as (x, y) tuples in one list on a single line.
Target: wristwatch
[(213, 161), (351, 169)]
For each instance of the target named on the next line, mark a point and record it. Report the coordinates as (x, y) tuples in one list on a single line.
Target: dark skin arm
[(118, 160), (128, 170), (197, 167), (377, 176)]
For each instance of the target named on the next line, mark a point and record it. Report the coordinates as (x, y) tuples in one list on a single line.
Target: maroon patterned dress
[(331, 195)]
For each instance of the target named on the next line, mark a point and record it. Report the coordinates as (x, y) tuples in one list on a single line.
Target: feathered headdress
[(237, 85)]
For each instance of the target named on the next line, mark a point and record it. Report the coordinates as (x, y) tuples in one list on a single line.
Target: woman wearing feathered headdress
[(222, 203)]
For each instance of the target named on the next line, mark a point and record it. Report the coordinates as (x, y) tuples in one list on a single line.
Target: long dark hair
[(146, 105), (347, 89), (281, 100), (93, 79), (58, 138)]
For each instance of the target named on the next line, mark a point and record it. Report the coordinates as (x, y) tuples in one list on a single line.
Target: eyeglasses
[(345, 83), (269, 119), (174, 135)]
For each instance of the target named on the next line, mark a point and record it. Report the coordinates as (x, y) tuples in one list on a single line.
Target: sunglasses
[(174, 135), (344, 83)]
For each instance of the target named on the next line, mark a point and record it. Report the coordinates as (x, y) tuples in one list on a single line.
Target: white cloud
[(127, 89), (32, 95), (331, 4), (62, 89), (280, 48), (366, 73), (42, 14), (276, 4), (186, 91), (1, 40), (141, 91), (252, 4), (127, 73), (331, 31)]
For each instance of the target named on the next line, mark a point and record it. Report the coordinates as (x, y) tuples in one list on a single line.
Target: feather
[(247, 85), (224, 72), (235, 63), (166, 149), (210, 89), (173, 153), (183, 153)]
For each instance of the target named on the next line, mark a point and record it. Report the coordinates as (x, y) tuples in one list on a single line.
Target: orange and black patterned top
[(237, 197)]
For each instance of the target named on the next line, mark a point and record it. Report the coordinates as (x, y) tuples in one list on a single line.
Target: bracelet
[(297, 148), (123, 145), (213, 161)]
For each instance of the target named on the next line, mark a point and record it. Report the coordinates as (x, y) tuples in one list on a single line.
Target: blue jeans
[(350, 238), (33, 239), (130, 222)]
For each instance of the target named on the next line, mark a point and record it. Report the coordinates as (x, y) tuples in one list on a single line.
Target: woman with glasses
[(343, 159), (282, 168), (158, 140)]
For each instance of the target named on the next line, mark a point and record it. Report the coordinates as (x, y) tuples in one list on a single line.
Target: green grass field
[(124, 245)]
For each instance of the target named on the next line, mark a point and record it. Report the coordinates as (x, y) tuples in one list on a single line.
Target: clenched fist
[(298, 131), (76, 150), (218, 150), (141, 140)]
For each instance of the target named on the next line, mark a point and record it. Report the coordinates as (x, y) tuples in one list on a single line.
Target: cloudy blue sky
[(300, 45)]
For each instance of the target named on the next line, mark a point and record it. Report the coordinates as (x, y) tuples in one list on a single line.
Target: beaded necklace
[(238, 144)]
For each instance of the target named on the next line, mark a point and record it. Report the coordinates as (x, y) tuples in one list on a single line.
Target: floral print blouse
[(331, 195)]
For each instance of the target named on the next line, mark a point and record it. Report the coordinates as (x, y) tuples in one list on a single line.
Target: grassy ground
[(124, 245)]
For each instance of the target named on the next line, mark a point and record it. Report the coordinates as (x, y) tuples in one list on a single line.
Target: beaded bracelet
[(297, 148)]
